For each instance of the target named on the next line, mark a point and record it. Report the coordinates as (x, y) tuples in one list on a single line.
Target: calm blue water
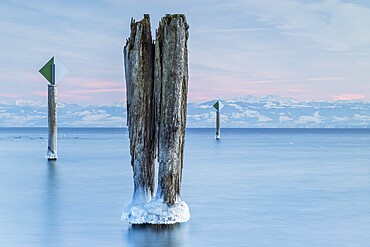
[(255, 187)]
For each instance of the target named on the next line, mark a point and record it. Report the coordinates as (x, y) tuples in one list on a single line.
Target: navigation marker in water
[(218, 105), (53, 71)]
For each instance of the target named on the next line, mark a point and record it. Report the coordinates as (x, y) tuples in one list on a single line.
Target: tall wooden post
[(218, 107), (52, 152), (157, 86), (171, 85), (138, 54), (53, 71), (218, 133)]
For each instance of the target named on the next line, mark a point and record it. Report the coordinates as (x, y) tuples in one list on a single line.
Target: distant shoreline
[(200, 128)]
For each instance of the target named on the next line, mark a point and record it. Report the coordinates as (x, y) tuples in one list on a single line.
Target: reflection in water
[(51, 205), (152, 235)]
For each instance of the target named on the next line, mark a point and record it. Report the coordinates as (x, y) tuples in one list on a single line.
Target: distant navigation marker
[(53, 71), (218, 106), (53, 65)]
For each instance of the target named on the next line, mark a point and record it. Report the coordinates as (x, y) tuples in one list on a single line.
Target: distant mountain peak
[(271, 111)]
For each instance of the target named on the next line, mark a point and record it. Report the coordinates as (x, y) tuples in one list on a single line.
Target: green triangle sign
[(217, 106), (47, 70)]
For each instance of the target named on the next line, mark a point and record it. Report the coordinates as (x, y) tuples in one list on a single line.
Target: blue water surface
[(254, 187)]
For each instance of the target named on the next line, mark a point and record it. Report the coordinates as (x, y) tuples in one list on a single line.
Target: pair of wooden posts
[(157, 85)]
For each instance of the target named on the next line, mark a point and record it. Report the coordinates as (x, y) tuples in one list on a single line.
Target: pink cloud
[(42, 93), (298, 80), (90, 91), (86, 91), (93, 83), (9, 95), (349, 96), (92, 96), (203, 86)]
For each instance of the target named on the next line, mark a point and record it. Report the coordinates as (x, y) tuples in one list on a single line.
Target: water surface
[(254, 187)]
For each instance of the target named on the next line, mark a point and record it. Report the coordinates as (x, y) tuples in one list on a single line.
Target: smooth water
[(254, 187)]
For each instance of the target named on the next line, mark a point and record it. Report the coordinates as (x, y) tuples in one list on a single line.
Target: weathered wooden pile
[(157, 85)]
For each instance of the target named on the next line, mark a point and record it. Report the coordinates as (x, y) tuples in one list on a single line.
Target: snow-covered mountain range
[(247, 112)]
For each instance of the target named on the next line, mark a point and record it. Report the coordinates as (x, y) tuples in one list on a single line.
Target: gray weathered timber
[(218, 134), (52, 153), (171, 86), (138, 57)]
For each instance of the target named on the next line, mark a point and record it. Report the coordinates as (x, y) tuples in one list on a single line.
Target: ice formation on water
[(155, 212), (51, 155)]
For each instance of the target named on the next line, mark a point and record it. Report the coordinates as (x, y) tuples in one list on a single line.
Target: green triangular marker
[(217, 106), (47, 70)]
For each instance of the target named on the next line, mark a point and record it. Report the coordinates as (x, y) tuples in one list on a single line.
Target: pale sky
[(304, 49)]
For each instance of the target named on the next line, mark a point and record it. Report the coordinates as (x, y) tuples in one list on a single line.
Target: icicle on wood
[(171, 86), (139, 53)]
